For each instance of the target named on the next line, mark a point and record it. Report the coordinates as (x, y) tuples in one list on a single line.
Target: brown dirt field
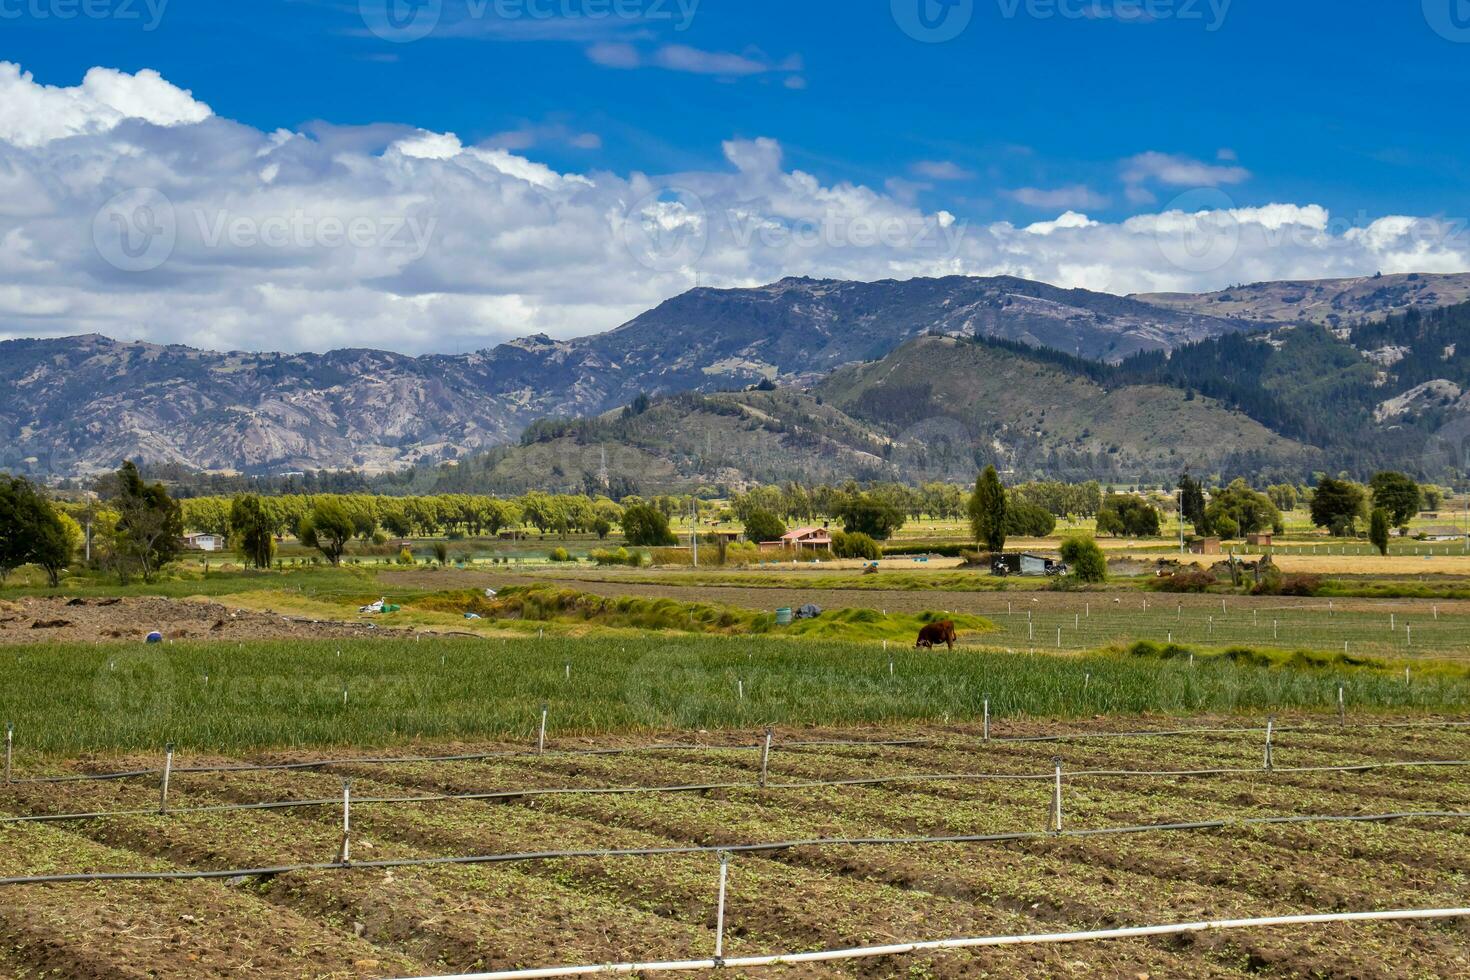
[(131, 619), (585, 910)]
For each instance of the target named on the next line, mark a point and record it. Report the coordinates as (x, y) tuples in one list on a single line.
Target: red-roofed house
[(802, 538)]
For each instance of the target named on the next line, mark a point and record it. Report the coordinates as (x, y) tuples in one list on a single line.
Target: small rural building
[(204, 542), (1025, 563), (806, 539), (1444, 532), (1206, 546), (1262, 539)]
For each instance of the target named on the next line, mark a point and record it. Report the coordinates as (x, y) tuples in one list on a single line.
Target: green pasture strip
[(1280, 624), (78, 698)]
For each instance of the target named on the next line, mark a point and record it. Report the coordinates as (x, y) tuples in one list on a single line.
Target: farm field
[(653, 721), (1027, 617), (391, 691), (402, 919)]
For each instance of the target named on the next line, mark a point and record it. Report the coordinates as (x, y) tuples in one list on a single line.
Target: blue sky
[(1350, 105), (1075, 141)]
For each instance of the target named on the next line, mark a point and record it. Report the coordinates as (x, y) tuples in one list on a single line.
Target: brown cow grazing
[(936, 633)]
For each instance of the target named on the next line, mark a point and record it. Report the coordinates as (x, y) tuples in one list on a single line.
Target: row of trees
[(135, 529)]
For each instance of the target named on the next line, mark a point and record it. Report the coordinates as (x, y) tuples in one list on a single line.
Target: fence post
[(9, 749), (1270, 731), (720, 909), (541, 736), (1056, 797), (344, 853), (168, 771), (766, 758), (1341, 708), (986, 729)]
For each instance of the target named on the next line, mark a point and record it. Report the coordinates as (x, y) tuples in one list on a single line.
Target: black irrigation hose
[(513, 794), (738, 747), (686, 849)]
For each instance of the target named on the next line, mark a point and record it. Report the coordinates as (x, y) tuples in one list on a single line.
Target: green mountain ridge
[(934, 409)]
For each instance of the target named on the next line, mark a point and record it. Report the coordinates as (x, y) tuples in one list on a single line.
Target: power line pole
[(1181, 520)]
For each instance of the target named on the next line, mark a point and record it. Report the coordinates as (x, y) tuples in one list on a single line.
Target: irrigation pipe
[(897, 949), (758, 848), (736, 747), (513, 794)]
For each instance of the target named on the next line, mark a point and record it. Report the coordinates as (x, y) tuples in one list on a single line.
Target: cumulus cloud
[(32, 115), (127, 208)]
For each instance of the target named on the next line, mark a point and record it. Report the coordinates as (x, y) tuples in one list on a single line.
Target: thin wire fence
[(719, 962), (949, 741), (1224, 823), (746, 785)]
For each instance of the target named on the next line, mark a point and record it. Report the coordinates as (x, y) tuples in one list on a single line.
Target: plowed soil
[(455, 918), (60, 620)]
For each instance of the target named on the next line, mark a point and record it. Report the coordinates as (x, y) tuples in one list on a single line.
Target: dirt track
[(59, 620)]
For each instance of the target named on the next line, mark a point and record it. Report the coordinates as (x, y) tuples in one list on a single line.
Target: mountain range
[(1064, 379)]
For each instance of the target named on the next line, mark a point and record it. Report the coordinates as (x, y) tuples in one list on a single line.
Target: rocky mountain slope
[(1329, 302), (81, 404)]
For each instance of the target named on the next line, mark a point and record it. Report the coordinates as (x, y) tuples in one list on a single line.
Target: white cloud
[(614, 54), (941, 170), (695, 61), (32, 115), (1074, 196), (393, 237), (528, 136), (1180, 171), (1069, 219)]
